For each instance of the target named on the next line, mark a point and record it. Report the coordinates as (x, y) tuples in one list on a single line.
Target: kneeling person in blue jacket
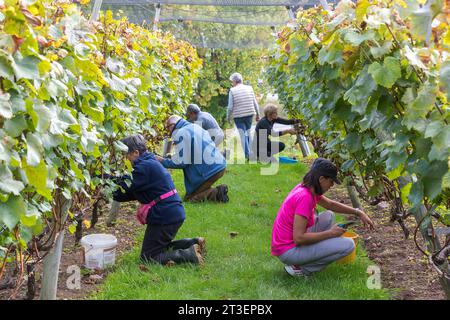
[(161, 207), (201, 161)]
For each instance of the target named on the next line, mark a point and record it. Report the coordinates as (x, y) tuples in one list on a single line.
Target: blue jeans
[(243, 125)]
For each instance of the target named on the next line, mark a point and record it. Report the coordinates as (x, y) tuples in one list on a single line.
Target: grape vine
[(371, 82), (69, 89)]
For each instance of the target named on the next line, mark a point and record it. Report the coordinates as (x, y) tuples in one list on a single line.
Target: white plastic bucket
[(99, 250)]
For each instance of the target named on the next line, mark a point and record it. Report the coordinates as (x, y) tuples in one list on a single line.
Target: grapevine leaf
[(11, 211), (26, 68), (37, 177), (359, 94), (356, 38), (416, 194), (14, 127), (446, 181), (432, 181), (386, 74), (421, 105), (34, 146), (421, 23), (5, 106), (7, 182), (442, 139), (6, 70), (433, 129), (378, 52), (361, 9)]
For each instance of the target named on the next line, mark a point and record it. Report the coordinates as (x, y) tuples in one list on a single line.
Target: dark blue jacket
[(196, 154), (151, 180)]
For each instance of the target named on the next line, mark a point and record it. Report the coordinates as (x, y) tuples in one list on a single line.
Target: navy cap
[(326, 168)]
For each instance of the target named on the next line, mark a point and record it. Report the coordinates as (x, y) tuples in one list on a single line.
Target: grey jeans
[(314, 257)]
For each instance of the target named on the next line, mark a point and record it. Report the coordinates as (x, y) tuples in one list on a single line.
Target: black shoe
[(222, 193), (189, 255), (186, 243)]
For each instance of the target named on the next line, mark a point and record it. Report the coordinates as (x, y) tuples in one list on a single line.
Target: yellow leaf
[(72, 228), (401, 3), (405, 192), (87, 224), (361, 9), (447, 38)]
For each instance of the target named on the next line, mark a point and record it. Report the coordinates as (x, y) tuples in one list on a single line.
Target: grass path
[(239, 267)]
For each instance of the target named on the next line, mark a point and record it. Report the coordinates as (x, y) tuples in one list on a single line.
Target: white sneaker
[(295, 271)]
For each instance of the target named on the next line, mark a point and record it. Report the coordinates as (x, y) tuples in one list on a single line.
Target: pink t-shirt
[(299, 201)]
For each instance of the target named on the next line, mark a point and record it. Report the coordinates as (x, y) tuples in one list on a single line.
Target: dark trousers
[(158, 241), (270, 152)]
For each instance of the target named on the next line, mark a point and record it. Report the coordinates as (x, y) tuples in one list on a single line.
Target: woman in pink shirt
[(306, 243)]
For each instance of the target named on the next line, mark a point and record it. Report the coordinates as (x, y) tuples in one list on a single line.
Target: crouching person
[(306, 243), (202, 163), (160, 208)]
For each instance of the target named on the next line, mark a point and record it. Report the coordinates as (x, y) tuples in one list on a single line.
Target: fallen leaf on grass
[(96, 277), (93, 279), (143, 268)]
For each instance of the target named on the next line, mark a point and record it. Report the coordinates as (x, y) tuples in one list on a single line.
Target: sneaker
[(295, 271)]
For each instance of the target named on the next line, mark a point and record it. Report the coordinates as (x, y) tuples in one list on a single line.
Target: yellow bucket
[(352, 256)]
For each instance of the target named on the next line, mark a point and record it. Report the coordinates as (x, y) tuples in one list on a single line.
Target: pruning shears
[(346, 225)]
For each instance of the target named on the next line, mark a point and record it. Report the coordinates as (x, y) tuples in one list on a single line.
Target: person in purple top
[(307, 243)]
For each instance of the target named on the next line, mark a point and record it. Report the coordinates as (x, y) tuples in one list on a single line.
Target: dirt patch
[(403, 269), (125, 230)]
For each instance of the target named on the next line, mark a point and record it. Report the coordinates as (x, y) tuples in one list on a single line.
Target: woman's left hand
[(366, 220)]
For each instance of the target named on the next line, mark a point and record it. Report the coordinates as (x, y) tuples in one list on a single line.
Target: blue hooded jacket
[(151, 180), (196, 154)]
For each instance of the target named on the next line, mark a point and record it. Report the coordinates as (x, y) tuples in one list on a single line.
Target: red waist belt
[(143, 209)]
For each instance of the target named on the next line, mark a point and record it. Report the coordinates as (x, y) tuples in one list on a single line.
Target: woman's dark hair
[(311, 180), (135, 142), (320, 168)]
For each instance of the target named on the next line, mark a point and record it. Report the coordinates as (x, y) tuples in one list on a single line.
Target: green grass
[(240, 267)]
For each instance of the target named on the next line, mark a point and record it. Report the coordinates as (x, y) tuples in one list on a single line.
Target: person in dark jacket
[(161, 207), (202, 163), (263, 148)]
